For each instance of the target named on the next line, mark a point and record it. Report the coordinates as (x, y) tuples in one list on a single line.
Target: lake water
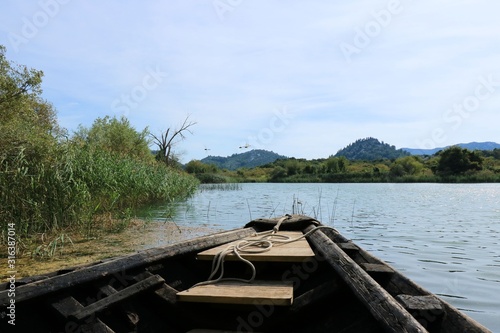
[(443, 236)]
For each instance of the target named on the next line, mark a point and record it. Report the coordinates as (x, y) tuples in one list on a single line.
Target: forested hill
[(370, 149), (249, 159), (471, 146)]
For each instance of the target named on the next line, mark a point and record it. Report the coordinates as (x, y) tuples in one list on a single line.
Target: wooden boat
[(320, 283)]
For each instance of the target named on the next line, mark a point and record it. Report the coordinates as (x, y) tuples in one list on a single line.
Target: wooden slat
[(257, 292), (314, 295), (421, 303), (297, 251), (348, 246), (388, 312), (117, 297), (120, 265), (377, 268), (67, 305)]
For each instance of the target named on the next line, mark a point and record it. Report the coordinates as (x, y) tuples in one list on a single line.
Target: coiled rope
[(265, 242)]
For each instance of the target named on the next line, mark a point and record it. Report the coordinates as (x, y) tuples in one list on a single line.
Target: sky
[(300, 78)]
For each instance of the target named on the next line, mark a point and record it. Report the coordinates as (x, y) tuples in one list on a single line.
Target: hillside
[(249, 159), (370, 149), (471, 146)]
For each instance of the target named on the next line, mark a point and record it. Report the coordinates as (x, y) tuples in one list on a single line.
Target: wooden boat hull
[(342, 288)]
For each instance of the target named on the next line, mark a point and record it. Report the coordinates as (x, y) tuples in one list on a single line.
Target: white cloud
[(232, 74)]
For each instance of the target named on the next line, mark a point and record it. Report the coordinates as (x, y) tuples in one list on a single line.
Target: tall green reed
[(75, 183)]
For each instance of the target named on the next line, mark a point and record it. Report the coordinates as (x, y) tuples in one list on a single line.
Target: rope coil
[(265, 242)]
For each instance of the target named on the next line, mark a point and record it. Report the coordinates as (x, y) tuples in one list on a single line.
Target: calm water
[(443, 236)]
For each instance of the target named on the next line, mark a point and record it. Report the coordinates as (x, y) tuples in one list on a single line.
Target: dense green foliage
[(446, 166), (249, 159), (49, 182), (116, 136), (370, 149), (486, 146), (458, 161)]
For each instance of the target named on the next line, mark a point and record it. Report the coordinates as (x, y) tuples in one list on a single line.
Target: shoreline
[(77, 250)]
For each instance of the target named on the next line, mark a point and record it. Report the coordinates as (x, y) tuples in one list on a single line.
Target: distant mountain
[(471, 146), (370, 149), (249, 159)]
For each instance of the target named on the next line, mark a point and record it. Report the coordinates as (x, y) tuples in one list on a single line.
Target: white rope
[(267, 240)]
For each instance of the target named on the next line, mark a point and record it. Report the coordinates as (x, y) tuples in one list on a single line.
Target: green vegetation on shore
[(454, 164), (51, 183)]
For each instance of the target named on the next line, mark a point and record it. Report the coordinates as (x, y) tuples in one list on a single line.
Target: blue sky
[(300, 78)]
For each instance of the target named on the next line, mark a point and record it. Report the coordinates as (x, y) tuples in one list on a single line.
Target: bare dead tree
[(170, 138)]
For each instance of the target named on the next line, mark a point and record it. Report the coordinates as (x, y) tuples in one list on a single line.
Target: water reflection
[(444, 236)]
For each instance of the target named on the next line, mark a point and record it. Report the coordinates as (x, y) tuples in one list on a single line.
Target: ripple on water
[(443, 236)]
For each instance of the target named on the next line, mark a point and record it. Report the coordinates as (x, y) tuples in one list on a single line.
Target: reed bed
[(73, 184)]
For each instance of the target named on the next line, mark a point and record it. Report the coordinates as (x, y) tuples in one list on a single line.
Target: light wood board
[(229, 292), (297, 251)]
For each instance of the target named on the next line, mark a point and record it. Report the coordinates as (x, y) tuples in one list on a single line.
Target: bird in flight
[(245, 146)]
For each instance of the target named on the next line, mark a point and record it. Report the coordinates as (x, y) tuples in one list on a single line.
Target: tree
[(168, 139), (456, 161), (410, 165), (116, 136), (27, 122)]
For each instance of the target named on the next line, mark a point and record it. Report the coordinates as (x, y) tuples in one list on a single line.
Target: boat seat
[(232, 292), (297, 251)]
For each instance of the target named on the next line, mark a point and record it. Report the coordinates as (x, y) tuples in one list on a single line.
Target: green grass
[(73, 184)]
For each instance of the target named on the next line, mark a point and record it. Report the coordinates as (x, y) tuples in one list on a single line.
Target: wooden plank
[(421, 303), (314, 295), (230, 292), (388, 312), (377, 268), (67, 305), (120, 265), (348, 246), (117, 297), (297, 251)]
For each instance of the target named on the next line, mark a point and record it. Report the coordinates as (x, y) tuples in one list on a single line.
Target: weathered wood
[(311, 296), (377, 268), (391, 315), (420, 303), (348, 246), (67, 305), (167, 294), (296, 251), (120, 265), (426, 309), (230, 292), (117, 297)]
